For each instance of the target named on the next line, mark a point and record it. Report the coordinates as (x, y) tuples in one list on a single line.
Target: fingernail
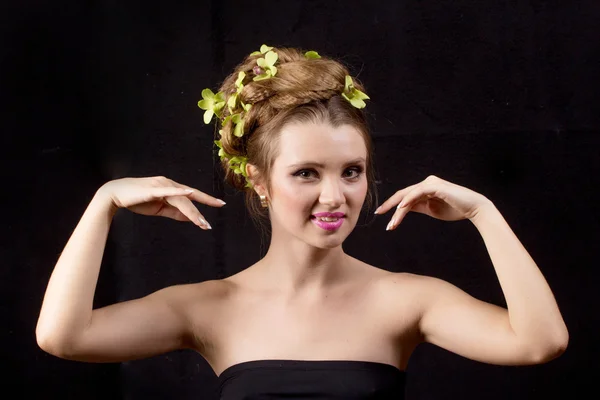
[(378, 208), (189, 190), (221, 201), (203, 222), (389, 225)]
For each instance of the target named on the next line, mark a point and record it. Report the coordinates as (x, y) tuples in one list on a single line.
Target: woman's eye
[(302, 173)]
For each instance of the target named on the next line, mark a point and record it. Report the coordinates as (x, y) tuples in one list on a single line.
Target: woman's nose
[(332, 192)]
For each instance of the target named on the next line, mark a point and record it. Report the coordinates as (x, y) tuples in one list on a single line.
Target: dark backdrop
[(501, 98)]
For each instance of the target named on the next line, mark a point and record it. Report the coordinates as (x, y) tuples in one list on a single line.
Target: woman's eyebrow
[(316, 164)]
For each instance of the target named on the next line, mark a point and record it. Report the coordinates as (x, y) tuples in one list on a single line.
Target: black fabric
[(310, 379)]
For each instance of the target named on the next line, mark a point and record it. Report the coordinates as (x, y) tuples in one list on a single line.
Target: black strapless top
[(311, 379)]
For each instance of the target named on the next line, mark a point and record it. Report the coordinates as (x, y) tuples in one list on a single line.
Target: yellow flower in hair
[(266, 66), (311, 54), (353, 95), (238, 121), (232, 101), (222, 153), (212, 103), (263, 49), (236, 163)]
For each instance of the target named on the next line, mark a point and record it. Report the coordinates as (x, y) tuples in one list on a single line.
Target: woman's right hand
[(159, 196)]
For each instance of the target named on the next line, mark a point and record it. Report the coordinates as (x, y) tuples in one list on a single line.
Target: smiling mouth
[(326, 219)]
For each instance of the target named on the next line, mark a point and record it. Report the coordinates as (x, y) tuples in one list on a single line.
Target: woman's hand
[(437, 198), (159, 196)]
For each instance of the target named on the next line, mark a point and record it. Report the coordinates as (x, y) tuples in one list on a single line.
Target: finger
[(204, 198), (185, 207), (173, 212), (167, 191), (199, 196), (425, 191), (410, 201), (401, 212), (394, 200)]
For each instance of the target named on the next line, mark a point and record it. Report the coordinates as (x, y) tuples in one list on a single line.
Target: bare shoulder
[(398, 288), (401, 299), (201, 303), (411, 288), (194, 294)]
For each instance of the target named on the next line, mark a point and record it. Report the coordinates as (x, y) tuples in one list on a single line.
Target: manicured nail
[(378, 208), (189, 190), (389, 225), (221, 201), (203, 222)]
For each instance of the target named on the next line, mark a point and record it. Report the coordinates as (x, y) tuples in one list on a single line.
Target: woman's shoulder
[(200, 297)]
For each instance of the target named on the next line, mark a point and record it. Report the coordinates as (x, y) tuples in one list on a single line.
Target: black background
[(500, 97)]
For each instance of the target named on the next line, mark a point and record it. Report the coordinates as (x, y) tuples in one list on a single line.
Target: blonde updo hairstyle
[(303, 90)]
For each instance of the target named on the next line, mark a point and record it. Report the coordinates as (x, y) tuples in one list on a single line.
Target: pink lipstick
[(328, 225)]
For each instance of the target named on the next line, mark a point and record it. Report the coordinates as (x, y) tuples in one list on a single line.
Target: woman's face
[(319, 169)]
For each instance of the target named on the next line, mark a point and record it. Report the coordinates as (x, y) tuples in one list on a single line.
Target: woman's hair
[(303, 90)]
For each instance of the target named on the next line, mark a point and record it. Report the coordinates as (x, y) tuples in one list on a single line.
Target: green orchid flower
[(232, 101), (237, 163), (353, 95), (212, 103), (268, 65), (263, 49), (222, 153), (311, 54), (238, 121)]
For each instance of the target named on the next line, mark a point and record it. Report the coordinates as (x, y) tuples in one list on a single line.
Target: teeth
[(327, 219)]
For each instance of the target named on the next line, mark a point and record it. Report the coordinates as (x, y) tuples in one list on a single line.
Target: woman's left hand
[(437, 198)]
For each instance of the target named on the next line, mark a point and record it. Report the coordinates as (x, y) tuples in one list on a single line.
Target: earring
[(263, 201)]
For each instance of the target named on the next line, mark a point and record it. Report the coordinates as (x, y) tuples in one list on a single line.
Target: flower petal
[(311, 54), (271, 58), (207, 94), (359, 95), (348, 83), (205, 104), (264, 48), (220, 96), (239, 129), (266, 75), (231, 102), (240, 78), (219, 105), (208, 114), (358, 103)]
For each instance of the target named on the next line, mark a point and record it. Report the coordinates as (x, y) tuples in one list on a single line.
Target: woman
[(307, 319)]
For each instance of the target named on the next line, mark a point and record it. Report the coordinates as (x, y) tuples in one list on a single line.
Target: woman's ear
[(253, 176)]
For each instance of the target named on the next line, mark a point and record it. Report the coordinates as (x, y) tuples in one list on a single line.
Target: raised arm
[(530, 331), (69, 328)]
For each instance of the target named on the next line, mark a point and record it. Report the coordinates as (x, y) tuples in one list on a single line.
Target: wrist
[(104, 200), (484, 211)]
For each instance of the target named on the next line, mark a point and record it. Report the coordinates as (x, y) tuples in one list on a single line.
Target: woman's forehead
[(308, 141)]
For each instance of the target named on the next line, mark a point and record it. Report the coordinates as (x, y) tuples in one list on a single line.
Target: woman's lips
[(328, 226)]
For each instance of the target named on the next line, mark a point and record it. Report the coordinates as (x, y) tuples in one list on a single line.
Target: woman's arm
[(533, 312), (531, 331), (155, 324), (67, 307)]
